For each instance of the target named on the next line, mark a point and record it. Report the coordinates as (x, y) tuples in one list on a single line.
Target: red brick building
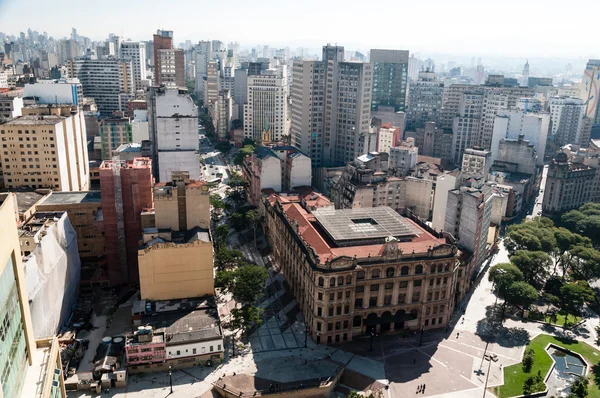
[(126, 188)]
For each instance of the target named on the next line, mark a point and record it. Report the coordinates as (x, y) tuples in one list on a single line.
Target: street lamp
[(170, 379), (487, 376), (371, 342)]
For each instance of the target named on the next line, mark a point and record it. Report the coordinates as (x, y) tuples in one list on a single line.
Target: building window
[(417, 283), (329, 327), (194, 350), (318, 326), (403, 284), (387, 300), (375, 287), (349, 280), (338, 310), (360, 275), (340, 281), (360, 289), (178, 352), (321, 282), (332, 282), (401, 298), (432, 268), (330, 311), (389, 286), (373, 302), (389, 272), (340, 294), (419, 269), (358, 303), (331, 296), (375, 273), (415, 297), (319, 311), (320, 296)]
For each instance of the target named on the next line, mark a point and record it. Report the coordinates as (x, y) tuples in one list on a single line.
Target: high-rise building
[(567, 117), (203, 55), (136, 51), (265, 112), (126, 188), (525, 75), (224, 113), (114, 132), (173, 129), (516, 122), (177, 262), (51, 150), (171, 69), (390, 78), (590, 90), (331, 102), (467, 123), (211, 83), (468, 213), (29, 366), (109, 82), (163, 40), (424, 100)]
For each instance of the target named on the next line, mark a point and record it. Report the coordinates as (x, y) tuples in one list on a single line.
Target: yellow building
[(176, 259), (45, 148), (30, 368)]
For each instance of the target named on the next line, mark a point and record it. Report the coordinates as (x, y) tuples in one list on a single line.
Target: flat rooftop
[(62, 198), (26, 199), (366, 223), (33, 120)]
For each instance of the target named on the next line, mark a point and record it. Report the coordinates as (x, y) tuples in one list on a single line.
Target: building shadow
[(492, 330)]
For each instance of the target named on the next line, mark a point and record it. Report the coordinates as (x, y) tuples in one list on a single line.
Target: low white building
[(139, 126), (514, 122), (476, 161), (403, 157), (10, 108)]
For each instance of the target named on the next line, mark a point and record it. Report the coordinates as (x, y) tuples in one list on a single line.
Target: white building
[(3, 79), (477, 162), (445, 183), (139, 126), (385, 139), (403, 157), (224, 114), (567, 116), (211, 83), (109, 82), (513, 123), (266, 107), (10, 108), (60, 91), (203, 55), (173, 126), (136, 51)]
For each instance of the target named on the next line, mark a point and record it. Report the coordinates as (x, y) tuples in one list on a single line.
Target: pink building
[(145, 347)]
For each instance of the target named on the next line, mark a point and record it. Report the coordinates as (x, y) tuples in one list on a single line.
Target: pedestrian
[(414, 361), (424, 385), (418, 389), (457, 334)]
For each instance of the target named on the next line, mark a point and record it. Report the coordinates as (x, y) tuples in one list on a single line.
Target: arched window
[(447, 267), (389, 272), (356, 321), (360, 275), (332, 282), (419, 269), (340, 280), (439, 267), (349, 280), (321, 282), (432, 269), (404, 270), (375, 273), (414, 314)]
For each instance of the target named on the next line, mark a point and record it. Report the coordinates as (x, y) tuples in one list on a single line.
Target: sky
[(517, 28)]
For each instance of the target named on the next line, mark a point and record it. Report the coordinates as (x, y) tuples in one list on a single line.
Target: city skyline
[(270, 24)]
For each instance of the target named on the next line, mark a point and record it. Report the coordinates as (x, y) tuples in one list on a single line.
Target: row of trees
[(547, 258)]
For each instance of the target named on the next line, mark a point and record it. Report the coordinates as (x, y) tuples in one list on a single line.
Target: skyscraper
[(331, 102), (266, 109), (590, 90), (425, 100), (390, 78), (169, 66), (567, 116), (136, 51)]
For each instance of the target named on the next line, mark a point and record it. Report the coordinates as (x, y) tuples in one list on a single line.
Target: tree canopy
[(503, 276), (521, 294), (534, 265), (246, 150), (585, 221), (534, 235)]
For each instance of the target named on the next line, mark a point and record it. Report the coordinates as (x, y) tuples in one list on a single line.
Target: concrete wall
[(444, 183), (270, 173), (198, 207), (169, 271), (419, 196), (55, 93), (178, 161), (300, 171)]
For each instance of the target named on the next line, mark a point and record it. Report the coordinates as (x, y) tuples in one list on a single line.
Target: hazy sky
[(521, 28)]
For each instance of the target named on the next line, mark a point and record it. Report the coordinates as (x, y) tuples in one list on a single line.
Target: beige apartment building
[(45, 148), (176, 258)]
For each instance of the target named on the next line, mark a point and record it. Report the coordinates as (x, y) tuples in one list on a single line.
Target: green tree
[(207, 123), (573, 296), (238, 221), (228, 258), (534, 384), (528, 360), (250, 282), (534, 265), (584, 263), (223, 146), (254, 220), (585, 221), (225, 279), (246, 150), (579, 388), (503, 275), (521, 294), (565, 240), (221, 233), (534, 235)]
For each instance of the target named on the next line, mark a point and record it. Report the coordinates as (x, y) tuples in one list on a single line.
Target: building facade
[(265, 111), (126, 189), (567, 117), (373, 279), (114, 132), (424, 100), (173, 129), (45, 148), (109, 82), (136, 51), (476, 161), (390, 78), (569, 185), (331, 102)]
